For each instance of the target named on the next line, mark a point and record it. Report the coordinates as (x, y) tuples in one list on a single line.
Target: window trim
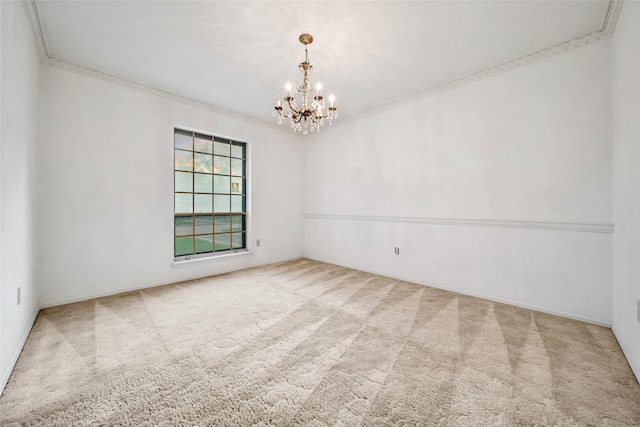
[(197, 259), (209, 257)]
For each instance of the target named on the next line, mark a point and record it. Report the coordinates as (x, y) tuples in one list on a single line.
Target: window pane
[(204, 225), (203, 183), (237, 240), (204, 244), (183, 181), (220, 147), (236, 151), (222, 223), (221, 203), (221, 165), (184, 203), (223, 242), (183, 225), (236, 204), (237, 185), (184, 160), (183, 246), (237, 223), (203, 162), (221, 184), (183, 140), (236, 167), (202, 143), (209, 183), (203, 203)]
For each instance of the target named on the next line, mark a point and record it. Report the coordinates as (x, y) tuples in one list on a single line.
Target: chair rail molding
[(576, 226)]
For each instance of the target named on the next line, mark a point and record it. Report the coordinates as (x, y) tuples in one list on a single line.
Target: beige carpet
[(307, 343)]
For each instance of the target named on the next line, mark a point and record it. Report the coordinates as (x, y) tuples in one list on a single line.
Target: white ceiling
[(238, 55)]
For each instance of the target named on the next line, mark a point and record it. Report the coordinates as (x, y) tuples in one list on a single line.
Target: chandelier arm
[(291, 107)]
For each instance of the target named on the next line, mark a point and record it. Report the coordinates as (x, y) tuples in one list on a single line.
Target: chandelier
[(305, 116)]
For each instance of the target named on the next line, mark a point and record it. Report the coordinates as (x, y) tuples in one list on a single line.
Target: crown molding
[(485, 73), (606, 31), (608, 27), (32, 12), (611, 18), (576, 226), (47, 59), (129, 84)]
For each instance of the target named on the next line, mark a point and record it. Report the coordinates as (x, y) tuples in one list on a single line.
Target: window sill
[(207, 259)]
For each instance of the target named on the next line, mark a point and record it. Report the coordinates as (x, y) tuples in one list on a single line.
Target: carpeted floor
[(307, 343)]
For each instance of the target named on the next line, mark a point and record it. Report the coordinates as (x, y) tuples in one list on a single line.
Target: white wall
[(527, 152), (105, 222), (626, 183), (18, 132), (529, 145)]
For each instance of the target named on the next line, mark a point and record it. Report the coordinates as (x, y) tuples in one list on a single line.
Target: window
[(210, 209)]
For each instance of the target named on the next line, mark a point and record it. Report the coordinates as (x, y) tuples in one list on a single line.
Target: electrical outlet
[(397, 251), (258, 243), (19, 294)]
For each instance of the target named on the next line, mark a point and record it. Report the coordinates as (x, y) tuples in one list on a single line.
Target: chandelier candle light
[(305, 117)]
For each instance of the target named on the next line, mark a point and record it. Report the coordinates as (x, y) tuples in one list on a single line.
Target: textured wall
[(18, 134), (485, 189), (106, 167), (626, 183)]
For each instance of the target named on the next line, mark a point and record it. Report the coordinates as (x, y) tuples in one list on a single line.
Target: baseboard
[(14, 358), (465, 292), (57, 303), (633, 364)]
